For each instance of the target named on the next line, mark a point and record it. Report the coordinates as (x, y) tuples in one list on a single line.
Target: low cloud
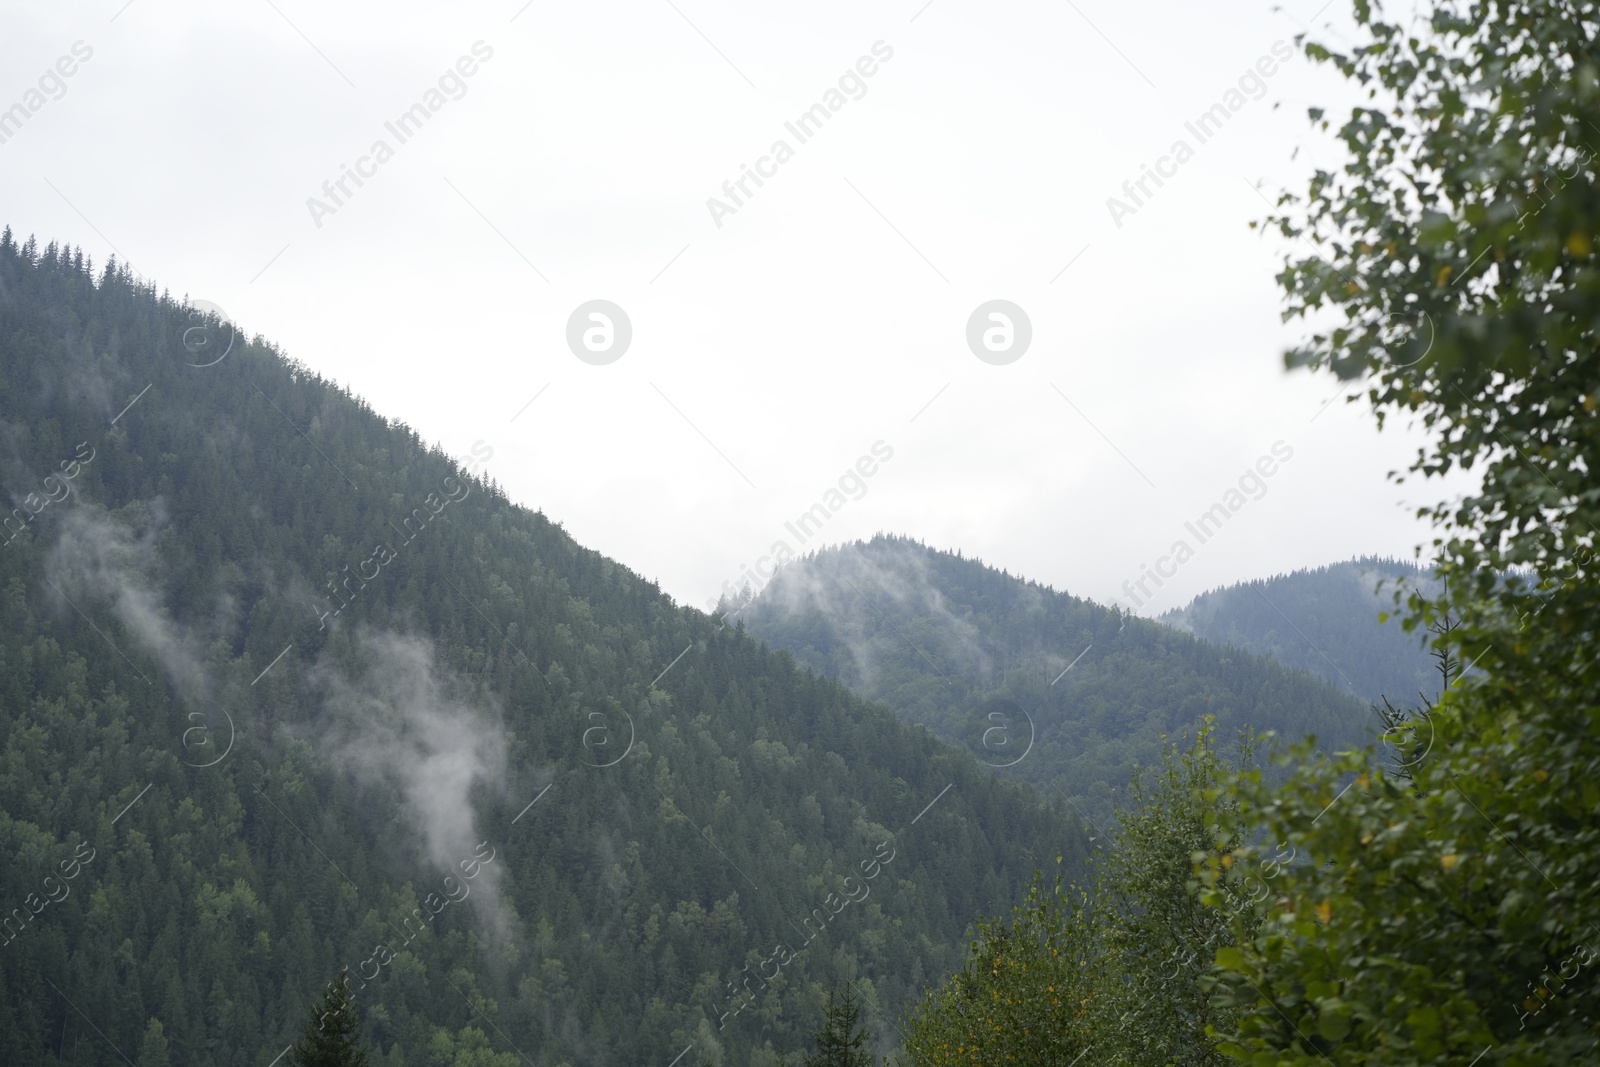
[(116, 563), (399, 721), (894, 579), (390, 715)]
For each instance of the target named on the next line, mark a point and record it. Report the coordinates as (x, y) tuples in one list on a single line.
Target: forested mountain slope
[(1324, 620), (994, 662), (285, 691)]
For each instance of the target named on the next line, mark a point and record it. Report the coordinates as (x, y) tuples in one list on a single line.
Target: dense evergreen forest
[(1039, 684), (285, 692), (1325, 620)]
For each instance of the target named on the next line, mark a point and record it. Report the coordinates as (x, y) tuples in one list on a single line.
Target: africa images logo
[(1207, 125), (405, 126), (806, 126)]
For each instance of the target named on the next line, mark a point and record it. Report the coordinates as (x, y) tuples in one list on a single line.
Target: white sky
[(803, 330)]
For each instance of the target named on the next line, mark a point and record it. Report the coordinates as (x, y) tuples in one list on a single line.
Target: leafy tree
[(1159, 937), (1450, 917), (1119, 972), (839, 1042), (333, 1033), (1026, 994)]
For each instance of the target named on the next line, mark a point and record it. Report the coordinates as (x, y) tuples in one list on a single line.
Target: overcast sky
[(777, 338)]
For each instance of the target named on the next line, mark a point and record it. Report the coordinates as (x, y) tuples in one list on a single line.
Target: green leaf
[(1230, 959)]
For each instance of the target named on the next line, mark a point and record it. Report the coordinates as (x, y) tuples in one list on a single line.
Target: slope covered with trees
[(1038, 684), (286, 693), (1324, 620)]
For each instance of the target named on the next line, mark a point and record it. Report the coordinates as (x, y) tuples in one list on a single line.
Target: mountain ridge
[(303, 684), (1325, 620), (938, 635)]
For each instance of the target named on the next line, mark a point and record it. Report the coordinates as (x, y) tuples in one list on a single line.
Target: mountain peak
[(1038, 684)]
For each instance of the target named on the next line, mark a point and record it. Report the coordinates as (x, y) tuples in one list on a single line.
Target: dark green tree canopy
[(658, 836), (840, 1041), (333, 1033)]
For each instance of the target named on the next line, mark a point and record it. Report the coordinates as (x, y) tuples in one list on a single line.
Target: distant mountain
[(1038, 684), (284, 691), (1324, 621)]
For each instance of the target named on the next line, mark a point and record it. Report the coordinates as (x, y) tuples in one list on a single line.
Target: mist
[(400, 721), (108, 561), (893, 578)]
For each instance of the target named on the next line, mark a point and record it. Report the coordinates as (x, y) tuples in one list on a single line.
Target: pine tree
[(155, 1052), (332, 1037), (840, 1039), (1410, 730)]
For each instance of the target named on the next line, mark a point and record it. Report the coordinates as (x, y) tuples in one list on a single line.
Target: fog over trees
[(321, 747)]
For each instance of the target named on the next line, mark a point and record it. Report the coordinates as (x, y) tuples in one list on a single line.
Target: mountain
[(285, 694), (1039, 684), (1324, 621)]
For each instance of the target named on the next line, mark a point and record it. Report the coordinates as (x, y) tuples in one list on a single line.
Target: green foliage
[(154, 1050), (1448, 915), (1159, 937), (635, 897), (839, 1042), (1026, 995), (332, 1037), (1119, 972), (973, 652)]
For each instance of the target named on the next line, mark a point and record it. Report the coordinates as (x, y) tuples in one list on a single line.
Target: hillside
[(286, 691), (1038, 684), (1323, 620)]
